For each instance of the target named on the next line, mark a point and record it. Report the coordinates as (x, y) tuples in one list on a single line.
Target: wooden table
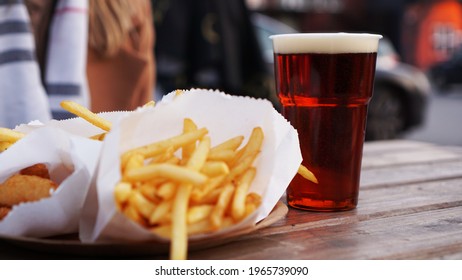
[(410, 207)]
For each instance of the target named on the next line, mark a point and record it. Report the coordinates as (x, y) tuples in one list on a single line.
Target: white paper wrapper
[(75, 126), (71, 160), (224, 116)]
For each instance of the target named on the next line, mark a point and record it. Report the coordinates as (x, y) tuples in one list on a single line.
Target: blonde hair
[(110, 23)]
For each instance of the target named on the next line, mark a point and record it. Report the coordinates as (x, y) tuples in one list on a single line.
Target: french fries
[(307, 174), (91, 117), (205, 190), (86, 114), (8, 137), (151, 103)]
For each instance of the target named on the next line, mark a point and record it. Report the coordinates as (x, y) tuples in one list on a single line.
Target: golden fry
[(253, 198), (167, 190), (231, 144), (199, 213), (252, 202), (215, 168), (202, 226), (199, 156), (135, 161), (253, 146), (9, 135), (167, 155), (173, 160), (179, 242), (159, 213), (211, 197), (151, 103), (141, 204), (203, 194), (176, 142), (131, 212), (86, 114), (307, 174), (149, 190), (238, 203), (193, 229), (222, 155), (216, 217), (122, 192), (188, 126), (164, 170), (99, 136), (164, 231), (250, 208), (240, 168)]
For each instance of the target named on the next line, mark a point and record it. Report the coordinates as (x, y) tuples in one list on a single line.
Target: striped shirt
[(22, 96)]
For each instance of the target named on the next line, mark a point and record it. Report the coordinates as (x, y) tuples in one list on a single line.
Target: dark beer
[(325, 97)]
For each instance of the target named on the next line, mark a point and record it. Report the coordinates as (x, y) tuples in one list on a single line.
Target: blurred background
[(417, 92)]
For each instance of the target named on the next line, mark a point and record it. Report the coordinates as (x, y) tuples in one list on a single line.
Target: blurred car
[(447, 73), (266, 26), (401, 91), (400, 98)]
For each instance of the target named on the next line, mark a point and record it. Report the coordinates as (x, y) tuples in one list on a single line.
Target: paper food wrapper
[(71, 161), (75, 126), (224, 116)]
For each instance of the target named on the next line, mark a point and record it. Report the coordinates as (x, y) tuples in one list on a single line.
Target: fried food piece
[(38, 169), (4, 211), (24, 188)]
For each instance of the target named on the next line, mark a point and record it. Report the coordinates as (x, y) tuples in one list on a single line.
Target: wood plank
[(407, 174), (378, 203), (379, 147), (413, 236), (396, 200), (408, 157), (395, 214), (395, 153)]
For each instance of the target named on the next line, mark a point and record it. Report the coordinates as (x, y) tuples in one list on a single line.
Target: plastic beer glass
[(325, 82)]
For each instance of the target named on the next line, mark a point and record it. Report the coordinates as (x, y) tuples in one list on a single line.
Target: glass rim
[(329, 43), (328, 34)]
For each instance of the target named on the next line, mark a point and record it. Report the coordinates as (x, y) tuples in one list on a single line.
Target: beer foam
[(325, 43)]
